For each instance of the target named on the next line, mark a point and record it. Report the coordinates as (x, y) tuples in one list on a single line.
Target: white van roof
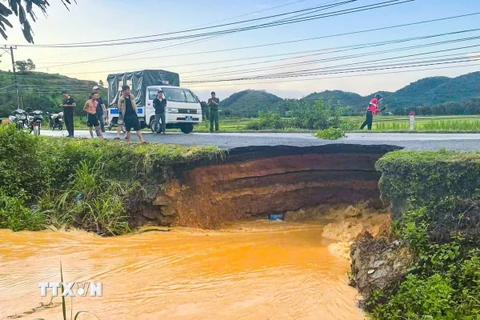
[(166, 86)]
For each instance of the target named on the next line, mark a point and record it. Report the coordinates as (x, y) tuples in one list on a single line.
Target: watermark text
[(71, 289)]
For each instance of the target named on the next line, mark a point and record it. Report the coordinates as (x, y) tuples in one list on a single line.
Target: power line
[(331, 59), (317, 78), (383, 4), (340, 71), (204, 24), (164, 47), (114, 41), (283, 42), (315, 52)]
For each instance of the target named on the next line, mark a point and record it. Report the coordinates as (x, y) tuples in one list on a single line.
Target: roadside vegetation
[(89, 184), (435, 199), (274, 122)]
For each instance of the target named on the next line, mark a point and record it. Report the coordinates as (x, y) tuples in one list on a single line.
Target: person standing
[(128, 107), (68, 105), (371, 110), (213, 104), (91, 107), (101, 109), (160, 103)]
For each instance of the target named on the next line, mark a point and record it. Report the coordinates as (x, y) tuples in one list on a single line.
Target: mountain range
[(424, 92), (42, 90)]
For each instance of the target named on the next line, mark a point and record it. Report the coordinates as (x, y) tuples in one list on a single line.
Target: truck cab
[(183, 109)]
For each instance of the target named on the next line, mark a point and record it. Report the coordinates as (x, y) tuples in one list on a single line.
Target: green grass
[(85, 183), (468, 123), (423, 123)]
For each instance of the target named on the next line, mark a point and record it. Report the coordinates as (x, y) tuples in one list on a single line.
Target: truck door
[(150, 110)]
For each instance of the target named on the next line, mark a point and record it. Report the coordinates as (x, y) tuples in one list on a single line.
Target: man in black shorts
[(92, 117), (128, 107)]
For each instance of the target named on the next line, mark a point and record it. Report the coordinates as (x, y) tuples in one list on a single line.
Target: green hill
[(42, 91), (434, 95), (424, 92), (248, 103), (344, 97)]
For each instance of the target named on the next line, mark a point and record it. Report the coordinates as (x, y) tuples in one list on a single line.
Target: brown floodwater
[(248, 270)]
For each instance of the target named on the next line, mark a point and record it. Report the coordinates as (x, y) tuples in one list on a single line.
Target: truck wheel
[(186, 128)]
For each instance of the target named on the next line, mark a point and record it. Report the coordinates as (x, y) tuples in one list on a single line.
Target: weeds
[(89, 184), (331, 134)]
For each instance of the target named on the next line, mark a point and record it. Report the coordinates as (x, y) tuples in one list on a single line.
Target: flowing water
[(248, 270)]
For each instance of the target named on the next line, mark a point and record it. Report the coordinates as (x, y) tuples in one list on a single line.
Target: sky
[(211, 59)]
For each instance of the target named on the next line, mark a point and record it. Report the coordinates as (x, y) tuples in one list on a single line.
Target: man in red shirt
[(371, 110)]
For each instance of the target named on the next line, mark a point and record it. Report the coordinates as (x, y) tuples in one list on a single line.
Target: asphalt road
[(410, 141)]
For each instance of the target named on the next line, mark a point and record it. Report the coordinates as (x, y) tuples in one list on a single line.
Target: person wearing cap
[(101, 109), (68, 105), (213, 104), (160, 103)]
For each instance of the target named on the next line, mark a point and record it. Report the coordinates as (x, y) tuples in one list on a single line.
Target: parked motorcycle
[(56, 120), (35, 120), (20, 118)]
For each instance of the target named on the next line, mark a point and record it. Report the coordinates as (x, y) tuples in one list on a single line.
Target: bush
[(20, 162), (84, 183), (331, 134), (267, 120), (16, 216), (438, 216), (416, 179), (316, 115), (304, 114)]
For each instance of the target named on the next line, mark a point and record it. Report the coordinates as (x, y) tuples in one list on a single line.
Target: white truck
[(183, 107)]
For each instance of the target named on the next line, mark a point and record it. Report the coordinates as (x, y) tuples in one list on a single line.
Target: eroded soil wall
[(260, 180)]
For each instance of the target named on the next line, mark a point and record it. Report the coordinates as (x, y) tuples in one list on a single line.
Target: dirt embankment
[(260, 180)]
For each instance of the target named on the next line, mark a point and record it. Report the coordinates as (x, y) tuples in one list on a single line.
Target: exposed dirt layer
[(260, 180)]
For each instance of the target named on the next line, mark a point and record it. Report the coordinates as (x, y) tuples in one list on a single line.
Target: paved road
[(410, 141)]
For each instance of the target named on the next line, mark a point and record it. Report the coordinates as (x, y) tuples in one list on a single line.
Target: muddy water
[(248, 270)]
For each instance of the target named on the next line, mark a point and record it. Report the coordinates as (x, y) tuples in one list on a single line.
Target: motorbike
[(56, 120), (35, 120), (20, 118)]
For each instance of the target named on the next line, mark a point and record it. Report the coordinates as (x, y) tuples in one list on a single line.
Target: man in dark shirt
[(160, 103), (101, 109), (213, 104), (68, 105)]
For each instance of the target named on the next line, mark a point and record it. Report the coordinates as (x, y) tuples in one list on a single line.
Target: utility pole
[(15, 76), (14, 73)]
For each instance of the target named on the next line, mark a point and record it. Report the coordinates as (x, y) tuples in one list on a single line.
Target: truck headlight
[(171, 110), (199, 111)]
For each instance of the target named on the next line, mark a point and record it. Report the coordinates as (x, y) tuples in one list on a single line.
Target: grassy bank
[(435, 203), (425, 124), (90, 184)]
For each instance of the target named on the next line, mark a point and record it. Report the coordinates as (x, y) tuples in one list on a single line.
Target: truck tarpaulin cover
[(138, 82)]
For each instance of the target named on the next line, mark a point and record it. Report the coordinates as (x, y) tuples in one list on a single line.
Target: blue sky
[(108, 19)]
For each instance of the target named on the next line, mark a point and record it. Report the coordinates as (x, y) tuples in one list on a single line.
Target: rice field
[(380, 124), (426, 124), (383, 124)]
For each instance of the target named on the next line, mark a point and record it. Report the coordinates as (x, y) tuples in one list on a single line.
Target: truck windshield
[(179, 95)]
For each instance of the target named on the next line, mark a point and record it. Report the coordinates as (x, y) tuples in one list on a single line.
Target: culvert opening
[(256, 181)]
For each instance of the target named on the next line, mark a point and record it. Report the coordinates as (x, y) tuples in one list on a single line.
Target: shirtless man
[(92, 119)]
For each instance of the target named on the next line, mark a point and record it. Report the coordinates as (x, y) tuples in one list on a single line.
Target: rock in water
[(377, 263)]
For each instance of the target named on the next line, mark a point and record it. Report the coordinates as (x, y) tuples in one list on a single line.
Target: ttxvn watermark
[(72, 289)]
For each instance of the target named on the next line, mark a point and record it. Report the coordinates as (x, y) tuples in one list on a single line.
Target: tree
[(21, 9), (100, 83), (24, 66)]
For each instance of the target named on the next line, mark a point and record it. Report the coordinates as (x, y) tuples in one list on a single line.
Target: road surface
[(410, 141)]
